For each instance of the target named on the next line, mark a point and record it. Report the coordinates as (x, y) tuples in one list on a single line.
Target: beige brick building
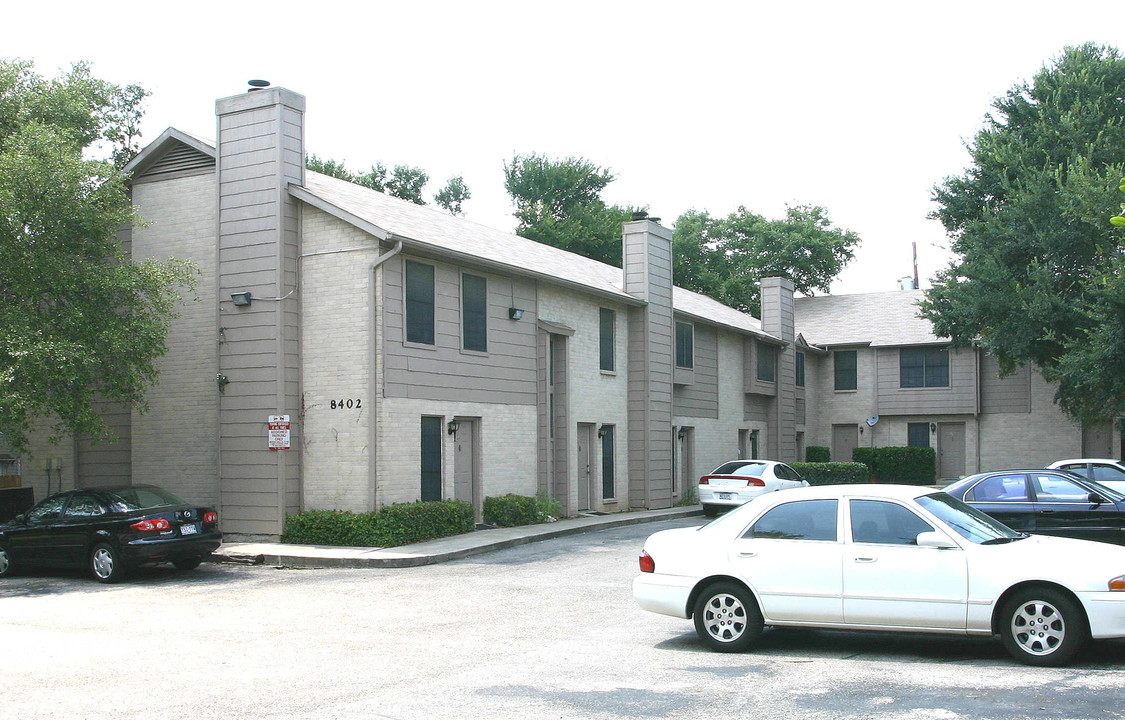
[(421, 356)]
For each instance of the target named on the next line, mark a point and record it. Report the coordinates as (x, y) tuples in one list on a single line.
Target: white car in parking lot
[(1105, 471), (735, 482), (883, 557)]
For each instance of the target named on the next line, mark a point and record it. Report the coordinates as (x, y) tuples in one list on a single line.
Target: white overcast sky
[(860, 107)]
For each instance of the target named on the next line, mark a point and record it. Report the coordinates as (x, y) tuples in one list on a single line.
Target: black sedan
[(1046, 502), (110, 530)]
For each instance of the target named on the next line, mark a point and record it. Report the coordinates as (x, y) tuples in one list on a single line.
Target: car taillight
[(755, 481), (210, 518), (647, 563), (703, 480), (149, 525), (1117, 584)]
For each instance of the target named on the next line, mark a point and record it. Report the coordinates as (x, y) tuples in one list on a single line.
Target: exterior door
[(951, 450), (845, 438), (585, 466), (465, 483), (1097, 441)]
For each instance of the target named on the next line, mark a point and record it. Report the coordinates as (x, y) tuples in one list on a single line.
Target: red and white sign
[(279, 432)]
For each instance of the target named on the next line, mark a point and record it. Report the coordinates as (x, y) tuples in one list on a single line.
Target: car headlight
[(1117, 583)]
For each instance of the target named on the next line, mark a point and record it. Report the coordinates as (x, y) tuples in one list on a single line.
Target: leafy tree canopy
[(1040, 272), (725, 258), (405, 182), (559, 203), (79, 321)]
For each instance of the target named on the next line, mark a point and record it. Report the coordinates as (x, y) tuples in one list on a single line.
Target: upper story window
[(474, 313), (608, 321), (800, 369), (767, 362), (844, 362), (419, 303), (923, 367), (685, 345)]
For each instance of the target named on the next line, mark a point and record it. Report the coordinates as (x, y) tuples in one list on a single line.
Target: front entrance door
[(845, 438), (1097, 441), (951, 450), (465, 483), (585, 467)]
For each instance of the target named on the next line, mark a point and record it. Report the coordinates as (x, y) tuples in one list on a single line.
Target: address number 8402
[(346, 404)]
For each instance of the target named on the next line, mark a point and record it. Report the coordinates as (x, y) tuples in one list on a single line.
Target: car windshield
[(966, 521), (132, 499), (740, 467)]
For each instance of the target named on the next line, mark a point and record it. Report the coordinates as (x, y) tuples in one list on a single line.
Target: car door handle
[(748, 553), (1047, 512), (865, 559)]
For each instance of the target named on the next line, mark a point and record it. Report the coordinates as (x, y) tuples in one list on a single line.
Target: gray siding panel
[(959, 397), (701, 397), (1009, 394), (505, 374)]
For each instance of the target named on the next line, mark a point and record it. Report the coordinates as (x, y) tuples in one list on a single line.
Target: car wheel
[(5, 562), (106, 564), (710, 510), (727, 617), (1042, 626), (187, 563)]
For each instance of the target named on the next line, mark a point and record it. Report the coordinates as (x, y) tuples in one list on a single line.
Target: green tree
[(453, 195), (725, 258), (405, 182), (559, 203), (1039, 270), (79, 321)]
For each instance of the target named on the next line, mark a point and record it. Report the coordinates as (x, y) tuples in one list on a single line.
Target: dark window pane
[(83, 505), (912, 368), (844, 362), (419, 303), (766, 361), (608, 319), (474, 313), (800, 369), (805, 520), (875, 521), (431, 458), (918, 434), (1000, 488), (608, 478), (937, 367), (685, 345)]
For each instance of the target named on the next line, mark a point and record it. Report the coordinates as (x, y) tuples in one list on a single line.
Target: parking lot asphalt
[(433, 551)]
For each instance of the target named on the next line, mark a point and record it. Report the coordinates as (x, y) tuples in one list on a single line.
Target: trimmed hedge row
[(833, 473), (389, 526), (907, 465), (817, 454), (512, 510)]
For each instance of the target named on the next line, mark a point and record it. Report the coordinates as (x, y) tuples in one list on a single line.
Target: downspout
[(376, 365)]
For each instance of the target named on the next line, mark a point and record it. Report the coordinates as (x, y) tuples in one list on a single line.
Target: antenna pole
[(914, 245)]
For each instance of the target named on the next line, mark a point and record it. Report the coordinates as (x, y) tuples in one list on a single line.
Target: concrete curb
[(432, 551)]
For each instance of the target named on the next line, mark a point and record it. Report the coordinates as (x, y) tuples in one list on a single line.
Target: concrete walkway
[(433, 551)]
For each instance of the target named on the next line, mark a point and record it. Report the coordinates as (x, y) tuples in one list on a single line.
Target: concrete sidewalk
[(434, 551)]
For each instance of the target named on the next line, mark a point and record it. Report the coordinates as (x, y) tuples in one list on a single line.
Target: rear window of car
[(740, 467), (141, 498)]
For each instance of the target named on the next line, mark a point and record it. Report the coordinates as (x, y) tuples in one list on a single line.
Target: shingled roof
[(876, 319)]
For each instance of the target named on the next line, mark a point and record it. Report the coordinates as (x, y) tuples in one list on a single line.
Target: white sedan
[(735, 482), (883, 557), (1107, 471)]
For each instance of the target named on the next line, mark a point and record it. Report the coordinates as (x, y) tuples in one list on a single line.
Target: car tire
[(1043, 626), (185, 564), (105, 563), (711, 510), (727, 617), (5, 562)]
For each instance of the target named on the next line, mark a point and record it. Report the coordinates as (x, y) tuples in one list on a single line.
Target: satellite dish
[(872, 420)]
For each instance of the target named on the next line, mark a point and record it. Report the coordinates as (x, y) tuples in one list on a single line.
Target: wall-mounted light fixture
[(933, 427), (515, 313), (682, 433), (603, 431), (241, 299), (222, 381), (452, 425)]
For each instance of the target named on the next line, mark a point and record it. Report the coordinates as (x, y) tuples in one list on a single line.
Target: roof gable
[(173, 154)]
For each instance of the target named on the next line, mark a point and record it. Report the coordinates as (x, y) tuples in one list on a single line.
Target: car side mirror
[(1097, 499), (934, 540)]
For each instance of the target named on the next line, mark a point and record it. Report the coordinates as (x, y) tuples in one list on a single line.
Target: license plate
[(191, 529), (726, 496)]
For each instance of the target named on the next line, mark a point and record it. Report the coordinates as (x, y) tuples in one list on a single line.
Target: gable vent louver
[(181, 159)]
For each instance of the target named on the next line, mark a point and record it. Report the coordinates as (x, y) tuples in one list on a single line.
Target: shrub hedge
[(389, 526), (817, 454), (907, 465), (833, 473), (510, 510)]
